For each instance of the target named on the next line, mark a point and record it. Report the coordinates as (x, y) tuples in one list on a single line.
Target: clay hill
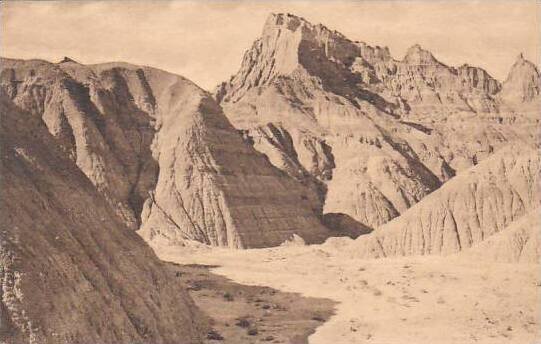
[(164, 156), (374, 135), (487, 199), (71, 271)]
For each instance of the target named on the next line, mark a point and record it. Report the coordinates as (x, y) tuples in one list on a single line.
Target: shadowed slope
[(71, 271)]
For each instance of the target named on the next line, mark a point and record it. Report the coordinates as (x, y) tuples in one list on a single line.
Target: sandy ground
[(418, 300)]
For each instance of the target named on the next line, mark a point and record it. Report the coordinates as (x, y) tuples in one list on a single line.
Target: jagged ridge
[(396, 129)]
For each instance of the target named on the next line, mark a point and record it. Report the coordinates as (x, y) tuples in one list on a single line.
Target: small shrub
[(243, 322), (214, 335), (318, 318)]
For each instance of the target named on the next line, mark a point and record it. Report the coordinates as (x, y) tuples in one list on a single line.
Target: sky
[(205, 40)]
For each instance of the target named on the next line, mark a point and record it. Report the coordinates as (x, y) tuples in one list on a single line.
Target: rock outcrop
[(466, 210), (164, 155), (70, 269), (382, 133)]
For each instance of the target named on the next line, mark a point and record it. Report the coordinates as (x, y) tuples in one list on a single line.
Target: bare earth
[(400, 300), (251, 314)]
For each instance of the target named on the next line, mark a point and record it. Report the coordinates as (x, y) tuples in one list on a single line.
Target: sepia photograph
[(295, 172)]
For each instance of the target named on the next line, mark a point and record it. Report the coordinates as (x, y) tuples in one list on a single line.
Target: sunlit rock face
[(522, 85), (375, 134), (468, 209)]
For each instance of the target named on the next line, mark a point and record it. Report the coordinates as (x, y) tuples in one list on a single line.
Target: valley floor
[(238, 313), (418, 300)]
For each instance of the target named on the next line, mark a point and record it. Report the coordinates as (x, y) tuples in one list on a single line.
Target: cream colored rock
[(522, 84), (387, 132), (465, 211), (518, 243), (214, 188)]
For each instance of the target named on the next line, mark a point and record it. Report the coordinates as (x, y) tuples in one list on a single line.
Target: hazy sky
[(205, 40)]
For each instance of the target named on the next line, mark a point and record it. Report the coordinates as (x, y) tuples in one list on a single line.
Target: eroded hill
[(71, 271), (163, 154)]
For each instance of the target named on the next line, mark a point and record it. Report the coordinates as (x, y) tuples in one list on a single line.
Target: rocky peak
[(290, 44), (416, 55), (293, 51), (302, 35), (523, 63), (283, 20), (523, 83), (294, 23), (67, 59)]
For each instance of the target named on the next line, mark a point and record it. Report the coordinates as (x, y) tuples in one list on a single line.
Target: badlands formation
[(431, 169), (378, 134), (161, 152), (71, 271)]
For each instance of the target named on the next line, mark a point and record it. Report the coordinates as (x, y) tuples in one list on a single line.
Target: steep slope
[(466, 210), (378, 133), (519, 242), (70, 270), (522, 84), (163, 154), (521, 91)]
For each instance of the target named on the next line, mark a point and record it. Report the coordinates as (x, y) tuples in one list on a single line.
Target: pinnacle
[(287, 20), (417, 55), (67, 59)]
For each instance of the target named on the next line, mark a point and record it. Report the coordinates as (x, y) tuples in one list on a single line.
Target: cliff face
[(71, 271), (468, 209), (383, 133), (163, 154)]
